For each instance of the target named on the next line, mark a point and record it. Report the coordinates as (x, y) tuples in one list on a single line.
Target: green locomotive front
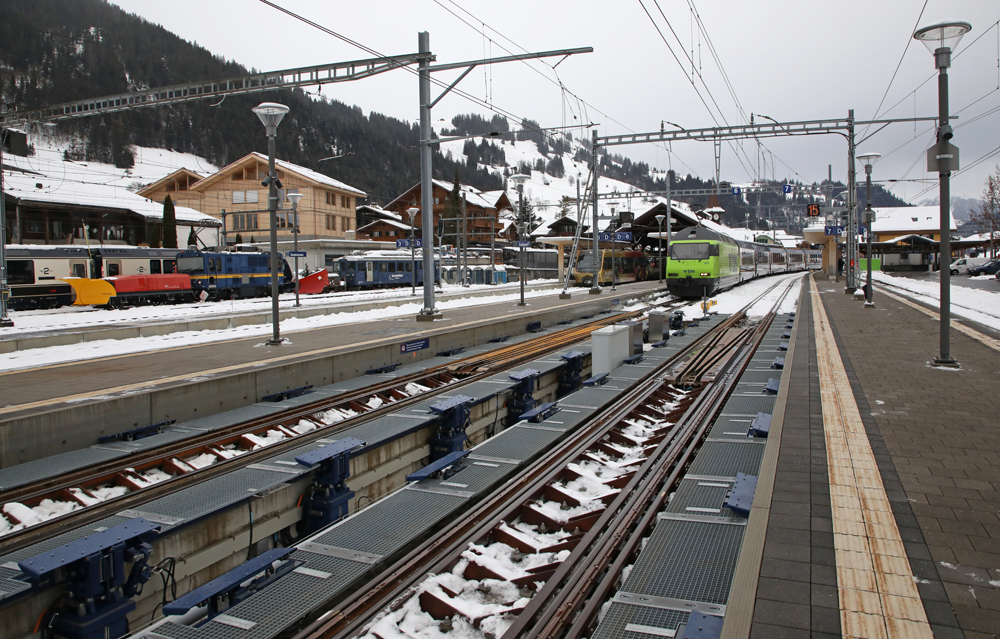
[(702, 262)]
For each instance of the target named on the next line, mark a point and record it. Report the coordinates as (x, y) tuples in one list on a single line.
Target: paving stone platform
[(934, 435)]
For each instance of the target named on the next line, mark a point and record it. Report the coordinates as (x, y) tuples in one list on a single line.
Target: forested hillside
[(54, 51)]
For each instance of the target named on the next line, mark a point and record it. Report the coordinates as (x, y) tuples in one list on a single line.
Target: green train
[(703, 262)]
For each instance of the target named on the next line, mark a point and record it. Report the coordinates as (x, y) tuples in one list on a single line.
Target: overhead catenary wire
[(581, 103)]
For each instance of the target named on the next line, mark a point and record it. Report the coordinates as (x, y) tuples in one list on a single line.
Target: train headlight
[(705, 274)]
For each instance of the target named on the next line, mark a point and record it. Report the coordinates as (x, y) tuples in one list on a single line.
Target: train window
[(114, 269), (713, 250), (169, 266), (392, 267), (218, 264), (78, 269), (382, 267), (21, 271), (193, 264), (154, 267), (409, 267), (689, 251)]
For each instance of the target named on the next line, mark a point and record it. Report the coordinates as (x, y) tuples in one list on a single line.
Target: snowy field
[(978, 305)]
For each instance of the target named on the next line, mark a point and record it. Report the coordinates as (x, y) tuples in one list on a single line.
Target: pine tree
[(239, 238), (154, 237), (169, 224)]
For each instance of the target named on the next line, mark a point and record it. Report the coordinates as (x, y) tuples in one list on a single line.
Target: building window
[(329, 197), (246, 197)]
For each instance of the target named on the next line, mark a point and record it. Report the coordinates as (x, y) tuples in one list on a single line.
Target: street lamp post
[(519, 181), (270, 114), (614, 258), (869, 216), (660, 264), (412, 212), (295, 197), (5, 320), (940, 39)]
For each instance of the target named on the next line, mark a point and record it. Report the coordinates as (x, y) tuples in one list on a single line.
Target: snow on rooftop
[(47, 178), (312, 175), (909, 219)]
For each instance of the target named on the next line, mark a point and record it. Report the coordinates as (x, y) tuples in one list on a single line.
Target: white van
[(962, 265)]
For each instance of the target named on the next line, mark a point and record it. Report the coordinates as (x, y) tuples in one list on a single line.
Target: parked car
[(990, 268), (962, 265)]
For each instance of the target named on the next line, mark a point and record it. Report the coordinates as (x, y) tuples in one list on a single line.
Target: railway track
[(541, 555), (97, 491)]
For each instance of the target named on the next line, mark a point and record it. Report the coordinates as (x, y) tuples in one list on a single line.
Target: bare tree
[(988, 215)]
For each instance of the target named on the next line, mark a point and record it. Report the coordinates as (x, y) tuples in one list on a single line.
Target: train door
[(78, 268), (370, 271)]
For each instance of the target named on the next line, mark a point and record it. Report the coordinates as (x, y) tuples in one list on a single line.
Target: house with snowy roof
[(894, 222), (481, 210), (234, 195), (60, 202)]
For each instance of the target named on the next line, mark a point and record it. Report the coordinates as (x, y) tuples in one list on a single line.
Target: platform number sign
[(812, 210), (414, 346), (786, 188), (737, 190)]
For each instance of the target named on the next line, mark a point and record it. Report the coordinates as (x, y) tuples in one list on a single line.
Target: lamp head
[(868, 159), (519, 179), (295, 198), (413, 213), (270, 114), (943, 35), (660, 218)]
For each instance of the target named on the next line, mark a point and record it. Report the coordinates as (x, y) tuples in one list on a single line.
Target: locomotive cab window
[(114, 269), (155, 267), (691, 251), (20, 272), (78, 269), (193, 264), (169, 266)]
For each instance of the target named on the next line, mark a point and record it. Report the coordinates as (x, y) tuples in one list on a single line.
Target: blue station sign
[(414, 346)]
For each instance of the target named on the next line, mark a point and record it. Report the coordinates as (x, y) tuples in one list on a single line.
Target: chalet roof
[(546, 227), (392, 223), (909, 219), (181, 172), (472, 195), (309, 175), (56, 189), (378, 210)]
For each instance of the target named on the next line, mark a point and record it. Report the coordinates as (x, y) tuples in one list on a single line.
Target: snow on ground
[(736, 298), (107, 348), (975, 304), (74, 317)]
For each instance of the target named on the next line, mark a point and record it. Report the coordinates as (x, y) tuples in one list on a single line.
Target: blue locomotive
[(382, 269), (231, 275)]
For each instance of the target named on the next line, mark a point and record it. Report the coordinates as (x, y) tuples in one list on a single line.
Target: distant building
[(368, 213), (234, 194), (59, 203), (925, 221), (384, 230), (482, 209)]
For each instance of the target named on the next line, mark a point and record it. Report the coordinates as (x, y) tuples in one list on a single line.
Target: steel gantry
[(209, 89), (840, 126)]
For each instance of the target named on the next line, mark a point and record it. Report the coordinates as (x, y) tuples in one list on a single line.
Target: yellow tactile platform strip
[(971, 332), (878, 593)]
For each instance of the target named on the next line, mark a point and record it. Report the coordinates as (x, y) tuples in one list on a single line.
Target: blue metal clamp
[(224, 592), (329, 497)]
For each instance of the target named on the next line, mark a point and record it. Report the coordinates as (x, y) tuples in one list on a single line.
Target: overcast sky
[(789, 60)]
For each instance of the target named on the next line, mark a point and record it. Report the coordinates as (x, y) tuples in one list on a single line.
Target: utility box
[(658, 327), (635, 335), (611, 345)]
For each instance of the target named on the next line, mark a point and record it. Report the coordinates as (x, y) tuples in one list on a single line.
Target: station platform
[(878, 512), (62, 407)]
